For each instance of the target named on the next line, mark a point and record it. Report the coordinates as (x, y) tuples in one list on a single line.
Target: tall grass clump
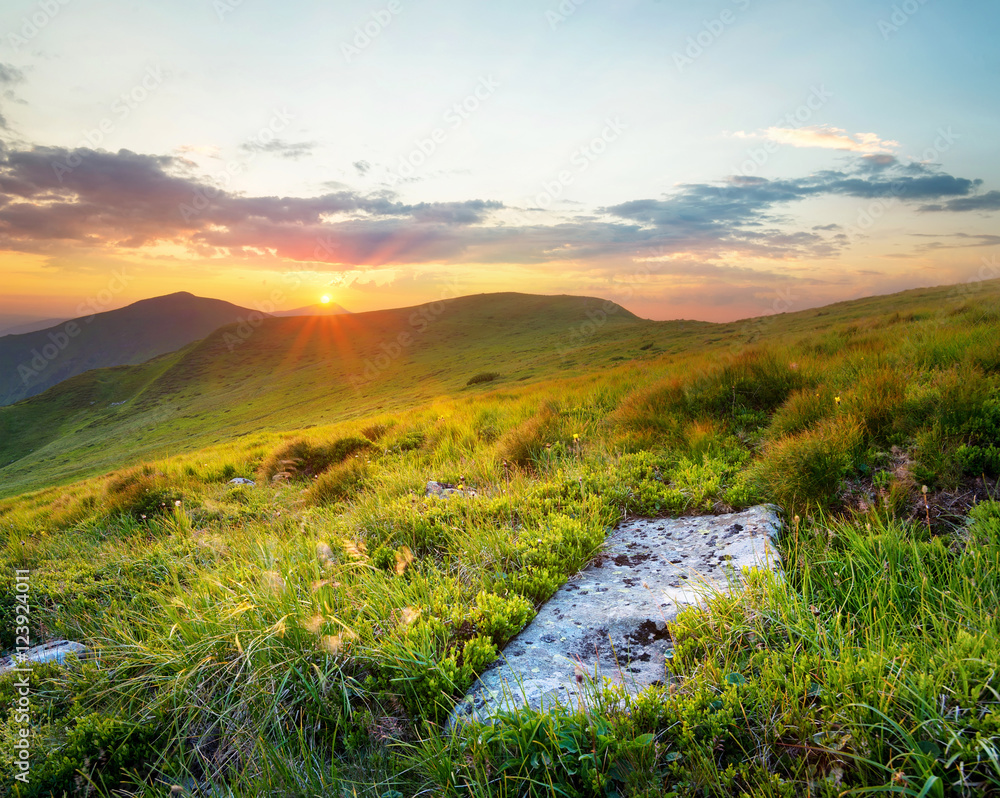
[(140, 492), (755, 381), (805, 470), (302, 458)]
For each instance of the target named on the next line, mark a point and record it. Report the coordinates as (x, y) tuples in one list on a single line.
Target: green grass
[(308, 635)]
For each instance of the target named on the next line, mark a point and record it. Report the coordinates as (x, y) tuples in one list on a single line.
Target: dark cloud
[(990, 201), (750, 202), (281, 148), (363, 167), (54, 197), (10, 74), (125, 199), (964, 240)]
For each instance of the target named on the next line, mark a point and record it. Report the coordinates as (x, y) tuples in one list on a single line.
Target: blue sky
[(700, 158)]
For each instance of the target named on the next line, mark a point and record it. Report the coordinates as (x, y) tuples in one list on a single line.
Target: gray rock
[(611, 621), (53, 651), (446, 489), (241, 481)]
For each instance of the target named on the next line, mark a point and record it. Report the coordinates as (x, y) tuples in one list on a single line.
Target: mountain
[(319, 309), (280, 374), (302, 370), (28, 325), (32, 362)]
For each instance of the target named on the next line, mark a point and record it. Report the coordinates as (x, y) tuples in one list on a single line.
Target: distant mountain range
[(319, 309), (28, 325), (32, 362)]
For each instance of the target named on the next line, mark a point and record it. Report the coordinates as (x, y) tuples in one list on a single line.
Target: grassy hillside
[(307, 635), (286, 373), (32, 362)]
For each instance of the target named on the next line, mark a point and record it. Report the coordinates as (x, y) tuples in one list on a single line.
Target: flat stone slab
[(610, 621), (53, 651)]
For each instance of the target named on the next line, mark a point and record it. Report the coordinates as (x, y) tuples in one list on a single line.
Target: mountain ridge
[(31, 363)]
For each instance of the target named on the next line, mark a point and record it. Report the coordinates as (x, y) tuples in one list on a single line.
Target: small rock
[(53, 651), (446, 489), (241, 481)]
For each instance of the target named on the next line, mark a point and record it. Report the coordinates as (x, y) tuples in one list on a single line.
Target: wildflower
[(576, 436), (836, 399)]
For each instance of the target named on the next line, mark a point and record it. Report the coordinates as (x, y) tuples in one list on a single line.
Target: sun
[(325, 299)]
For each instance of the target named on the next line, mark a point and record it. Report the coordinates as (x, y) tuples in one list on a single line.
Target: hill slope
[(296, 371), (33, 362)]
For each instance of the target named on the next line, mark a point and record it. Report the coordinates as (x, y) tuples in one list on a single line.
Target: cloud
[(281, 148), (965, 240), (53, 198), (824, 136), (990, 201), (10, 74), (363, 167)]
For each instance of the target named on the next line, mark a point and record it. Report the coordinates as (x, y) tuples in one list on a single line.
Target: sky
[(699, 159)]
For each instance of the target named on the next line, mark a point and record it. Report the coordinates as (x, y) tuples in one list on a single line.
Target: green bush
[(105, 749), (501, 618)]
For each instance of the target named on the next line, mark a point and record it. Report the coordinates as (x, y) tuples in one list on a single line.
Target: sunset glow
[(713, 163)]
